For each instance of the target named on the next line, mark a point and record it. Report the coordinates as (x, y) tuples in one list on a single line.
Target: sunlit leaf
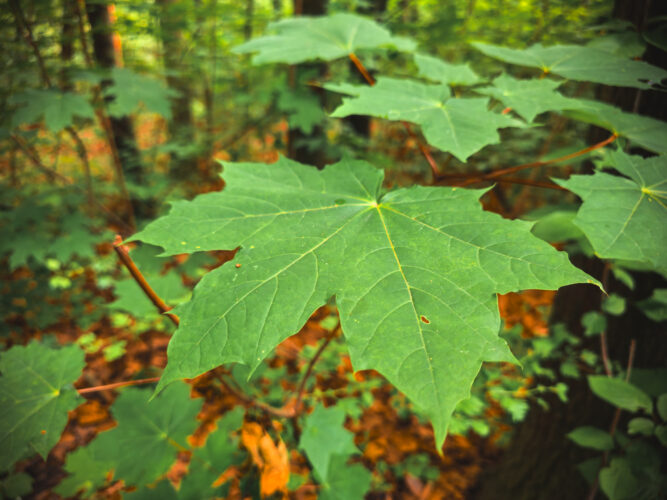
[(437, 70), (579, 62), (458, 126), (304, 38)]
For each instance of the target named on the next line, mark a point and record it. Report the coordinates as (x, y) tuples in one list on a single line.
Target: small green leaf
[(303, 39), (459, 126), (617, 481), (323, 437), (345, 482), (655, 307), (58, 108), (624, 218), (592, 437), (528, 98), (86, 473), (661, 405), (614, 305), (640, 425), (661, 434), (130, 89), (16, 485), (620, 393), (437, 70), (578, 62), (148, 436), (594, 323), (35, 395)]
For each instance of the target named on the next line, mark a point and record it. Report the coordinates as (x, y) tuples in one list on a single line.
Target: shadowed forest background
[(110, 111)]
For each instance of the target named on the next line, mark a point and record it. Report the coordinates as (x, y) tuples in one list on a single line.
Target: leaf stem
[(517, 168), (371, 81), (127, 261), (302, 385), (286, 411), (115, 385)]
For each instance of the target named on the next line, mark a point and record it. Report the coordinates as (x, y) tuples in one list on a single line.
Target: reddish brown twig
[(286, 411), (302, 385), (127, 261), (115, 385), (371, 81), (517, 168)]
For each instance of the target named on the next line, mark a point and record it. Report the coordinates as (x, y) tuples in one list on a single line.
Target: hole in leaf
[(424, 319)]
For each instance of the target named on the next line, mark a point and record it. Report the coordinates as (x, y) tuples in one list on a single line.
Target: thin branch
[(513, 180), (614, 423), (302, 385), (115, 385), (371, 81), (285, 411), (127, 261), (517, 168), (33, 156)]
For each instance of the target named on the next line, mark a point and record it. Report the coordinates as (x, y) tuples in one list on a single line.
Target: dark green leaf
[(144, 444), (617, 481), (324, 436), (620, 393), (592, 437), (58, 108), (35, 395), (643, 426)]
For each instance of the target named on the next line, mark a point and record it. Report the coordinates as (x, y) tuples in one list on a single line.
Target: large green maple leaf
[(579, 62), (625, 217), (414, 272), (459, 126), (305, 38), (35, 395)]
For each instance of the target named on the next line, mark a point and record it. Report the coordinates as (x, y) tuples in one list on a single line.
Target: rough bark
[(122, 127), (540, 461)]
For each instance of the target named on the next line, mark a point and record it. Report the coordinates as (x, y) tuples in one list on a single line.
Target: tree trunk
[(308, 148), (123, 130), (183, 166), (540, 461)]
